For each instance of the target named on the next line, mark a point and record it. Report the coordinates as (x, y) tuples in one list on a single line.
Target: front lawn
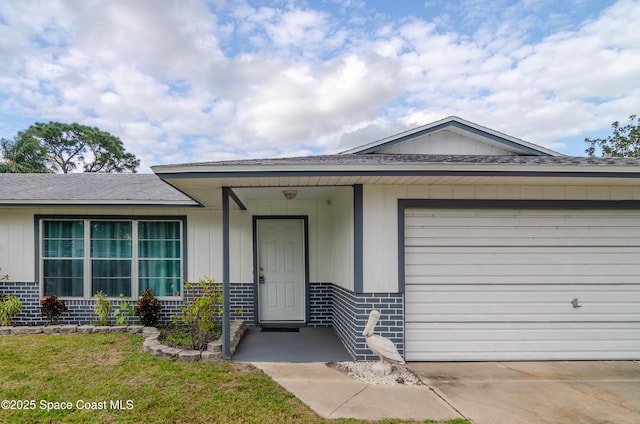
[(107, 378)]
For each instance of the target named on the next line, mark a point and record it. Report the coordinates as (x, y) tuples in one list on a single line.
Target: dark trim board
[(256, 300), (518, 204), (226, 265), (237, 200), (116, 217), (495, 204), (358, 237)]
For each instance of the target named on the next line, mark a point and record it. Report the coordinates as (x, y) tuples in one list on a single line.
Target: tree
[(63, 148), (25, 157), (625, 141)]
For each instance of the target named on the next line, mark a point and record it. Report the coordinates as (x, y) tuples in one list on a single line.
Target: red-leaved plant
[(148, 308), (52, 308)]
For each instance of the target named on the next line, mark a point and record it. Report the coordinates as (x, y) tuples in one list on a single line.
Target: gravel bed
[(361, 371)]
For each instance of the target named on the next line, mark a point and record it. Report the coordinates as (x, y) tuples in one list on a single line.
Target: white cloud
[(301, 102), (169, 39)]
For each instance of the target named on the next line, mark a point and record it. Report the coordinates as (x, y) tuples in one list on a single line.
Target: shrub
[(10, 306), (102, 308), (201, 316), (121, 311), (52, 308), (148, 308)]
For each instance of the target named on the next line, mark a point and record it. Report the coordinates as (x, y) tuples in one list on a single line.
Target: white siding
[(17, 244), (446, 143), (204, 244), (339, 243), (380, 238), (499, 284)]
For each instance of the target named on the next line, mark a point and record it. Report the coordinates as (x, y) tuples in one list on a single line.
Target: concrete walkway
[(483, 392), (333, 394)]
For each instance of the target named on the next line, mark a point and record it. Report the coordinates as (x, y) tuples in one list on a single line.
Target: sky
[(206, 80)]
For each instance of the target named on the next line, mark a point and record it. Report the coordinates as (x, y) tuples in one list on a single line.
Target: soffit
[(208, 191)]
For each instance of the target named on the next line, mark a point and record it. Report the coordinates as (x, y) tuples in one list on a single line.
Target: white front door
[(281, 267)]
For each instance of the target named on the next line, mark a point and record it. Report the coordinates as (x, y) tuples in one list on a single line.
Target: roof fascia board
[(76, 203), (402, 173), (519, 145)]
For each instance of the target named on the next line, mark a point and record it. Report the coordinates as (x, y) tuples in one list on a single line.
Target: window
[(159, 261), (81, 257), (63, 257)]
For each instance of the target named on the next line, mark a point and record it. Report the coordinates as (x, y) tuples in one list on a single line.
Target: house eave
[(212, 171), (199, 180), (97, 204)]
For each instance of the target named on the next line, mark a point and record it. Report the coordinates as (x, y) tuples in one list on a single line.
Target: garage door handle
[(575, 303)]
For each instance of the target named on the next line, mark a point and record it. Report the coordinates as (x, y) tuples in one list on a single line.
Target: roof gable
[(453, 136)]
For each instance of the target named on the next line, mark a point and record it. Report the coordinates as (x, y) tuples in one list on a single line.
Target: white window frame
[(87, 266)]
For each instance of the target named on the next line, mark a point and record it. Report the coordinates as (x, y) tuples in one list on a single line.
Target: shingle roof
[(89, 188), (416, 159)]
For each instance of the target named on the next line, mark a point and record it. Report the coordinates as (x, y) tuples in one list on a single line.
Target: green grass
[(102, 368), (178, 340)]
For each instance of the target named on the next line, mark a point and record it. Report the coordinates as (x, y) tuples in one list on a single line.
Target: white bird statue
[(381, 346)]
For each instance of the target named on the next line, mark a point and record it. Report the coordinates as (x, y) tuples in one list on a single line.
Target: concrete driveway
[(537, 392)]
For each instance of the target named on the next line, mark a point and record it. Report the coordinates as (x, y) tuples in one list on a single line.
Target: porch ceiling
[(207, 190)]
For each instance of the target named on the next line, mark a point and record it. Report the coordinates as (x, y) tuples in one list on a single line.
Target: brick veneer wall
[(344, 315), (351, 312), (29, 295), (80, 311), (241, 302), (329, 305), (320, 305)]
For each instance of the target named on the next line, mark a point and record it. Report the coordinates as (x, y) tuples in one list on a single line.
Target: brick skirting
[(329, 305), (351, 312)]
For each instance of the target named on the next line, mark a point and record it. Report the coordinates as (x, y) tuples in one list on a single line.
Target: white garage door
[(522, 284)]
